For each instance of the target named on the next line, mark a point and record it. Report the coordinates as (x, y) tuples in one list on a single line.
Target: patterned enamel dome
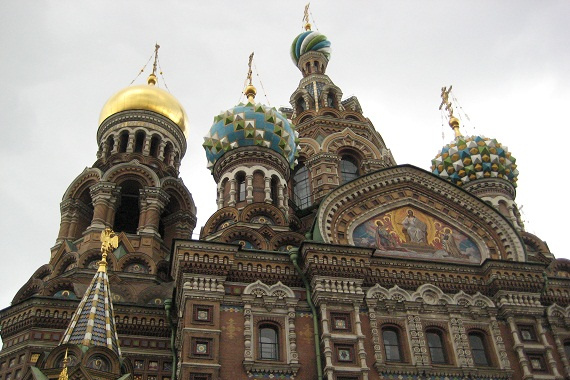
[(310, 41), (470, 158), (248, 125)]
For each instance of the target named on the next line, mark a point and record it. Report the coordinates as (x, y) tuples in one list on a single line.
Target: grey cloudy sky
[(61, 60)]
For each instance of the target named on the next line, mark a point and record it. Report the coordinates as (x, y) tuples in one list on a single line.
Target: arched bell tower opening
[(128, 212)]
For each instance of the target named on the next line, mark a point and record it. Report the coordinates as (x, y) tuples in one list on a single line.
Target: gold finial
[(306, 17), (109, 241), (63, 374), (152, 77), (453, 121), (250, 90)]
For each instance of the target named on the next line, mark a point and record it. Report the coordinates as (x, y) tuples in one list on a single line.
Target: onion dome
[(468, 159), (146, 97), (251, 124), (310, 40)]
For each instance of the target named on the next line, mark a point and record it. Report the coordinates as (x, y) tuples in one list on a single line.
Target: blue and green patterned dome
[(310, 41), (468, 159), (251, 125)]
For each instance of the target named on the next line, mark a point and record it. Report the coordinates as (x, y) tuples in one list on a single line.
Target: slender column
[(281, 198), (66, 208), (326, 342), (106, 197), (267, 190), (518, 346), (232, 201), (131, 143), (549, 357), (146, 145), (361, 350), (161, 147), (220, 200), (504, 362), (249, 188), (153, 200)]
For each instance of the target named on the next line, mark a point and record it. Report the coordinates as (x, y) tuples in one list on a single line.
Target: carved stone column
[(417, 340), (106, 199), (461, 343), (267, 190), (518, 346), (232, 201), (361, 350), (249, 188), (544, 340), (153, 200), (131, 143), (504, 362)]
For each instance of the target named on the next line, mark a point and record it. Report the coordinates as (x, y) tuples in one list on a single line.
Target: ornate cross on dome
[(445, 100), (453, 121), (156, 47), (306, 17), (249, 72)]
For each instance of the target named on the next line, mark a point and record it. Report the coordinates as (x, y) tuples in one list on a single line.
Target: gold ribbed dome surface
[(146, 97)]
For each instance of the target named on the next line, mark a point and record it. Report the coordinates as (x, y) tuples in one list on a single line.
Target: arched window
[(301, 105), (392, 348), (139, 141), (268, 342), (567, 349), (128, 212), (436, 347), (241, 188), (167, 153), (154, 143), (123, 142), (479, 349), (274, 191), (348, 169), (330, 100), (110, 145), (301, 187)]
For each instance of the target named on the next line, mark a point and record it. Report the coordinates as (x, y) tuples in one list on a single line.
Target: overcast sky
[(61, 60)]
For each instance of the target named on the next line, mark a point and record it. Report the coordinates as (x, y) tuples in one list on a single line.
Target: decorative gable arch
[(418, 191), (336, 142)]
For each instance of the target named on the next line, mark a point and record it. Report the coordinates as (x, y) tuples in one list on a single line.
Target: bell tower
[(337, 142)]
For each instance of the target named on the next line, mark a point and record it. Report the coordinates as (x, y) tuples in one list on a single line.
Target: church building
[(325, 259)]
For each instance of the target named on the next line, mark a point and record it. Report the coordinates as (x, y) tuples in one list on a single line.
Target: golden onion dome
[(146, 97)]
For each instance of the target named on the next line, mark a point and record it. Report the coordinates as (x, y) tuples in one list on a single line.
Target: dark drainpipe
[(168, 308), (293, 255)]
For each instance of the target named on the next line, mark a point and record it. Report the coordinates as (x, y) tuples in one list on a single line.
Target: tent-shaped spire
[(93, 323)]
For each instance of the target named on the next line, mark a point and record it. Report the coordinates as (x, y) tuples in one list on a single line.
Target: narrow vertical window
[(478, 349), (274, 191), (348, 169), (392, 347), (240, 179), (268, 343), (436, 347), (301, 187)]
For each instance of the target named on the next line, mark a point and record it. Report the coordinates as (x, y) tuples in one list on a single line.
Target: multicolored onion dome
[(310, 41), (468, 159), (248, 125)]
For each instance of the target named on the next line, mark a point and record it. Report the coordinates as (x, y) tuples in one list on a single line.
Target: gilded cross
[(445, 100), (249, 67), (156, 47), (306, 17)]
